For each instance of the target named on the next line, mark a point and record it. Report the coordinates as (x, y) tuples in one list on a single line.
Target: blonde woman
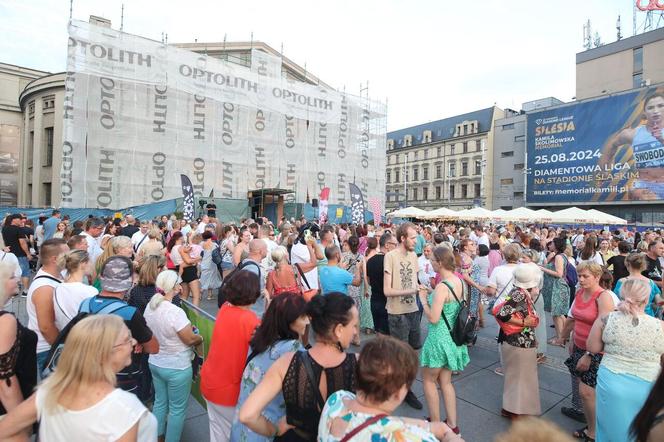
[(18, 347), (118, 245), (282, 279), (153, 246), (60, 230), (171, 367), (67, 296), (80, 397)]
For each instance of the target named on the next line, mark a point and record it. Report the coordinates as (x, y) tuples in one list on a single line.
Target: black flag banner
[(356, 204), (188, 195)]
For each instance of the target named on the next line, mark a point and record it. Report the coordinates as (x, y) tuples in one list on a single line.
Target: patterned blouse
[(387, 429), (251, 377), (517, 303)]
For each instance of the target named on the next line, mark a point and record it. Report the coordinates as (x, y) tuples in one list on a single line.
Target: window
[(464, 168), (439, 150), (28, 197), (518, 166), (507, 154), (48, 147), (437, 192), (416, 174), (452, 173), (438, 170), (396, 175), (638, 60), (464, 191), (518, 194), (477, 190), (478, 167), (478, 145), (414, 194), (452, 191), (425, 173), (425, 193), (397, 158), (426, 153), (388, 175), (47, 194), (415, 155), (465, 147), (508, 126), (506, 181), (519, 138), (451, 149), (31, 149), (637, 80)]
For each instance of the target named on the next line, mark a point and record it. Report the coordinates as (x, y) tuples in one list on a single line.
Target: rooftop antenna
[(122, 18), (166, 40), (587, 36), (618, 28), (251, 44), (71, 8), (162, 37), (224, 53)]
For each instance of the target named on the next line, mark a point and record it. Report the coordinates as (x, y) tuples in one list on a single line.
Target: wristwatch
[(590, 354)]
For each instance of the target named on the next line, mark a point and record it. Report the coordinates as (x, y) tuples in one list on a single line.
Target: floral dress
[(357, 293), (336, 421), (251, 377), (473, 270), (555, 292)]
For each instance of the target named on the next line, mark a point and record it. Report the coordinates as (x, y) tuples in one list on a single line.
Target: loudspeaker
[(314, 202)]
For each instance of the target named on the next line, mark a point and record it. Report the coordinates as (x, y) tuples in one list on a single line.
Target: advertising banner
[(188, 198), (609, 149), (356, 204), (322, 205), (205, 323), (139, 113)]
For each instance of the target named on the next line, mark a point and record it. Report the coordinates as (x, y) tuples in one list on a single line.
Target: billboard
[(139, 113), (605, 150)]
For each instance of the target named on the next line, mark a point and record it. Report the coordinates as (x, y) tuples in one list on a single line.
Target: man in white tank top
[(39, 305)]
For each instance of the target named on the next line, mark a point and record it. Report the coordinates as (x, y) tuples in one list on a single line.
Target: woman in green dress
[(440, 355), (556, 288)]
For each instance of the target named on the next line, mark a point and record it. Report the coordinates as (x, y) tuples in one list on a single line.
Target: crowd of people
[(108, 351)]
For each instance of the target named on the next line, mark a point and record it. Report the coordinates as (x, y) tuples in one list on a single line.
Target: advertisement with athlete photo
[(608, 149)]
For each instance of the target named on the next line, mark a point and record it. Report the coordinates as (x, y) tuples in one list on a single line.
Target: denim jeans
[(41, 362), (170, 403)]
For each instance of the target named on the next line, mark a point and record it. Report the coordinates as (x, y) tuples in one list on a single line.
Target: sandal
[(582, 433), (554, 341), (541, 358)]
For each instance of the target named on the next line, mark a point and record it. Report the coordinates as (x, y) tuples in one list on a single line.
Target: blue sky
[(428, 59)]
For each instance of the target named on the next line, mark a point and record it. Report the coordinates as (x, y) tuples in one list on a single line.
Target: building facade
[(31, 120), (509, 160), (622, 65), (13, 80), (445, 163)]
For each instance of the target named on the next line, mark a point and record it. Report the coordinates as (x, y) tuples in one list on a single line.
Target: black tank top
[(20, 360), (302, 409)]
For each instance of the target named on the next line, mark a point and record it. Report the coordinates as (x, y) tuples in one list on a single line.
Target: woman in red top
[(283, 279), (221, 373), (590, 302)]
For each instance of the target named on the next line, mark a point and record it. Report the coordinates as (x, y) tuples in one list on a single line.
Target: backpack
[(217, 258), (463, 332), (571, 276), (88, 307), (221, 298)]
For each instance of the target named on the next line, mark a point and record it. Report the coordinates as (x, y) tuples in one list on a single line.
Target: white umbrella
[(475, 213), (520, 214), (544, 215), (443, 212), (605, 218), (409, 212), (572, 215)]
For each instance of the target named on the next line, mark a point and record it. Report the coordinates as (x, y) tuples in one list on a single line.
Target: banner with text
[(138, 113), (609, 149)]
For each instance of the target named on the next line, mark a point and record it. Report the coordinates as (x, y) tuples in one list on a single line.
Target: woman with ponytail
[(67, 296), (171, 367), (633, 343)]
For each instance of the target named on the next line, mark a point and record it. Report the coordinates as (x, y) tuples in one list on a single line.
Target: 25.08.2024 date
[(571, 156)]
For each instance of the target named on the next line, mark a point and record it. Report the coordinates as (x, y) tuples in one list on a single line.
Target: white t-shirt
[(39, 281), (175, 255), (502, 279), (596, 258), (300, 255), (139, 237), (267, 262), (94, 249), (483, 239), (107, 420), (426, 271), (12, 260), (165, 322), (483, 263), (67, 298)]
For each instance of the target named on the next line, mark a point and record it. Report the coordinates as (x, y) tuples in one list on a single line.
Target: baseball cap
[(116, 274)]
